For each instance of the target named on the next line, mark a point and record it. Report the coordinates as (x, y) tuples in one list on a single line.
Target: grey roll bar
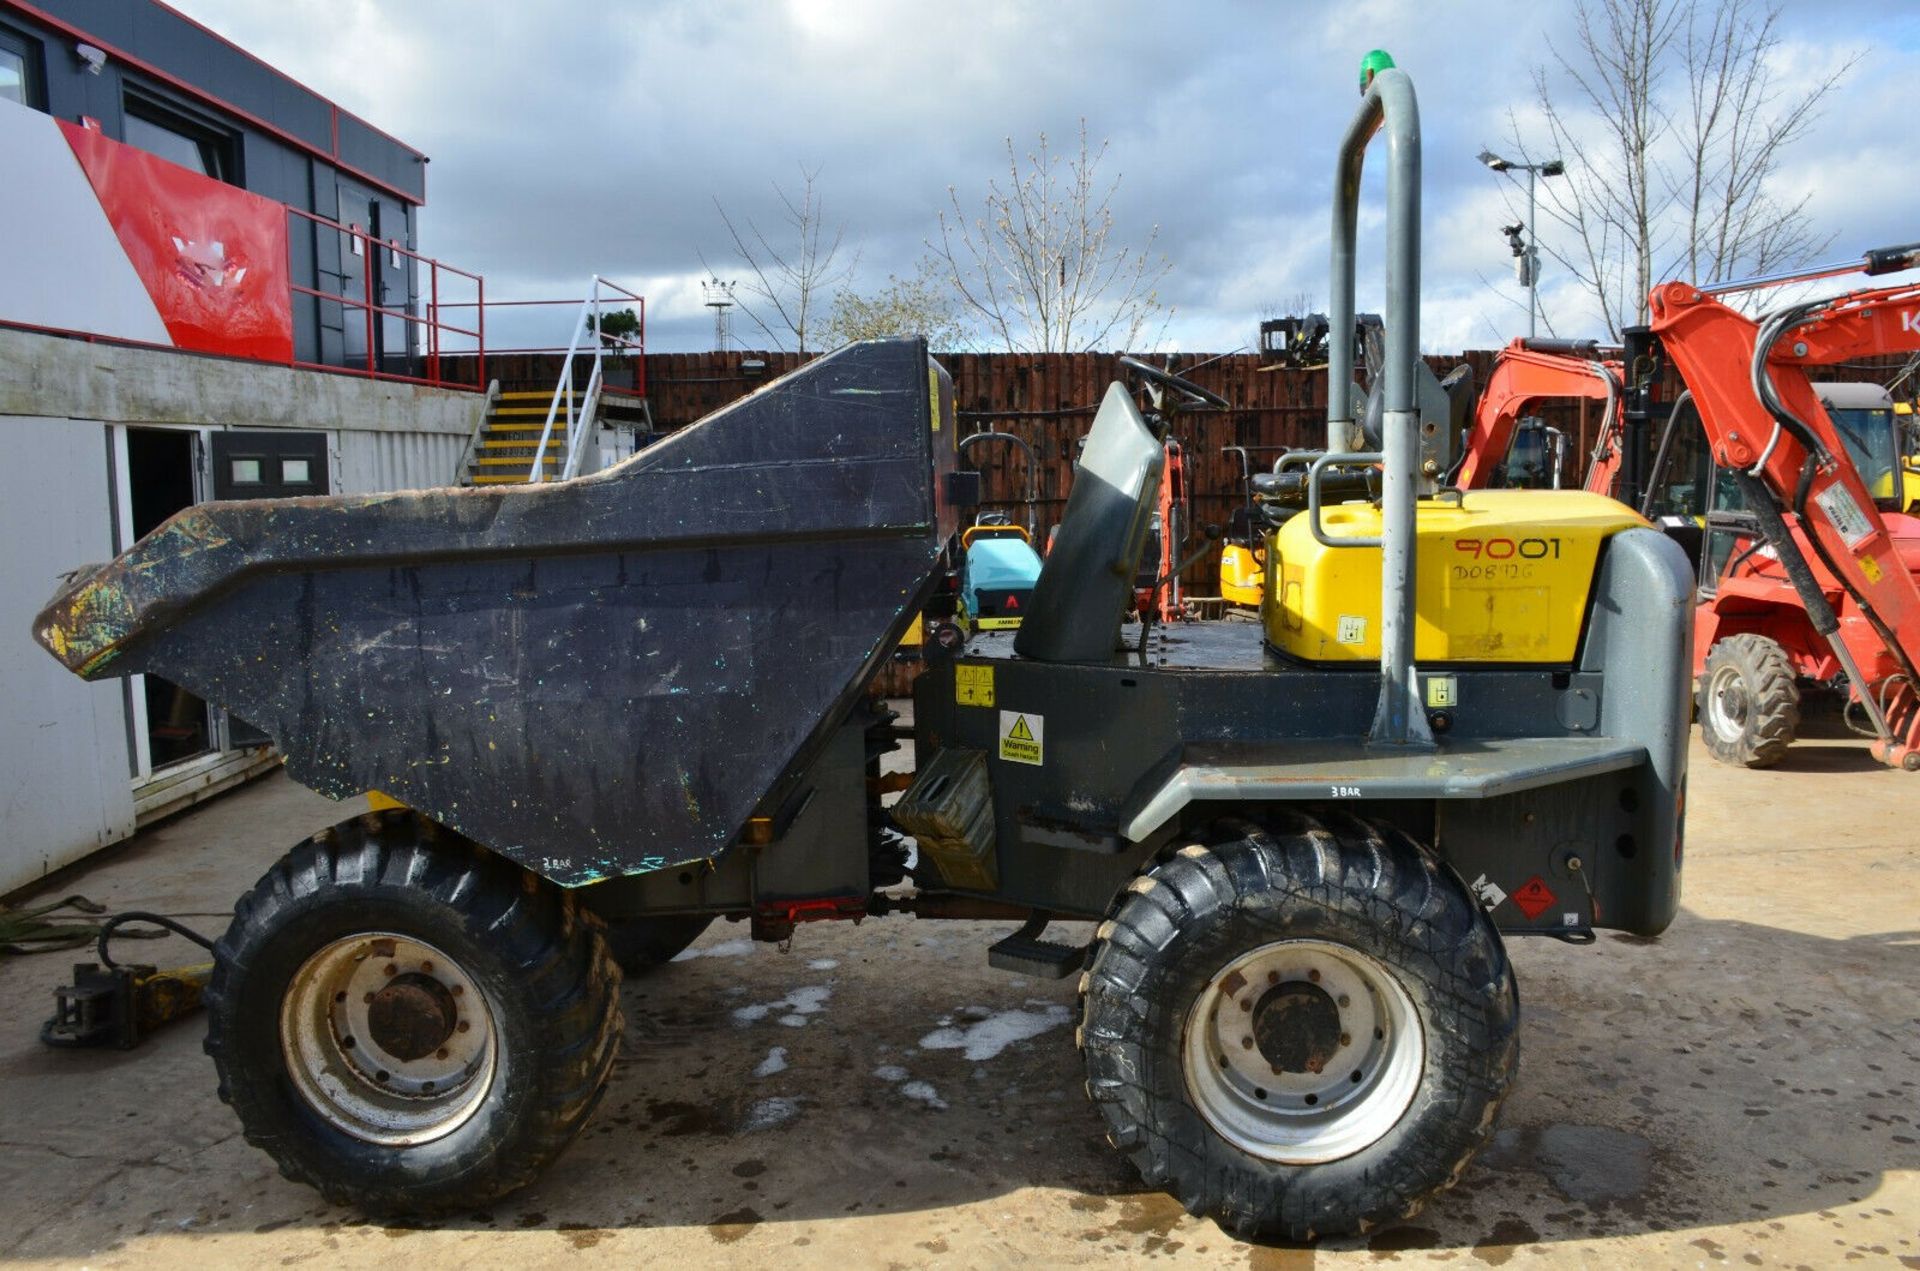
[(1400, 718)]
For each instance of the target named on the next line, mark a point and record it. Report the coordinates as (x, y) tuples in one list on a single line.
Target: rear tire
[(1385, 1010), (1749, 701), (641, 944), (408, 1023)]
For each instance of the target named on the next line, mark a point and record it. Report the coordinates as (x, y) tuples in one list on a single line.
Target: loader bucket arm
[(595, 677)]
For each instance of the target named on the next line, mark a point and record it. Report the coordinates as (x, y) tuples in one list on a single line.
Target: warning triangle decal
[(1020, 731)]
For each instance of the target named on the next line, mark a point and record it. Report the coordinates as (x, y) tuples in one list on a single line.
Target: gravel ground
[(1743, 1090)]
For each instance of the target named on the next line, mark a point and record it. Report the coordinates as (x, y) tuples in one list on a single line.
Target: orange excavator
[(1809, 567), (1809, 556), (1506, 447)]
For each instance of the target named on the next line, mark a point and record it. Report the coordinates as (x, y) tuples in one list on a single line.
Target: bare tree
[(1295, 304), (1039, 269), (788, 281), (1672, 121), (920, 304)]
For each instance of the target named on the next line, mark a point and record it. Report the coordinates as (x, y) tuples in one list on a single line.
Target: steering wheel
[(1192, 392)]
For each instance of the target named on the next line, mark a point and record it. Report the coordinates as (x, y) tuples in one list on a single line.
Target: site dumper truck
[(618, 707)]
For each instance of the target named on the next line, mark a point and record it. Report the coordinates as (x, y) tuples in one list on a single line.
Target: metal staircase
[(533, 435), (509, 437)]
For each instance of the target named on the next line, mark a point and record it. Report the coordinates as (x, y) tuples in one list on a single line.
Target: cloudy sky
[(570, 139)]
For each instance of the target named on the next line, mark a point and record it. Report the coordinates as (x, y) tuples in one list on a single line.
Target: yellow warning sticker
[(933, 396), (1871, 568), (973, 685), (1022, 737), (1442, 690)]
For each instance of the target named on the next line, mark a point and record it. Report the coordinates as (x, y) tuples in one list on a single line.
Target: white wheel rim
[(1728, 702), (1337, 1060), (388, 1039)]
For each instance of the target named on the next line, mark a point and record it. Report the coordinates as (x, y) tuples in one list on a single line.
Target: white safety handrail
[(590, 307), (588, 319), (589, 404)]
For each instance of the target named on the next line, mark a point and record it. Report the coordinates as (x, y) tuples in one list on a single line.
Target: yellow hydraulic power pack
[(1503, 576), (1241, 580)]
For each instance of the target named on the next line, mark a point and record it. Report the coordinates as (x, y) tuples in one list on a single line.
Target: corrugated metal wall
[(373, 462)]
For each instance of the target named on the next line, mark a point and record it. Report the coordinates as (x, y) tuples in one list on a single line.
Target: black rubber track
[(641, 944), (532, 949), (1773, 701), (1336, 878)]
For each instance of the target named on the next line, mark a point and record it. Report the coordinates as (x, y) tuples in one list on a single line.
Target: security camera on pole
[(1522, 237)]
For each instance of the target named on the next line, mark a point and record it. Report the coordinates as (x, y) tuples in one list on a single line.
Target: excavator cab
[(1536, 460), (1864, 417)]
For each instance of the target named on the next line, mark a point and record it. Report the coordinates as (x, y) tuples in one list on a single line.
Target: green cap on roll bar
[(1372, 64)]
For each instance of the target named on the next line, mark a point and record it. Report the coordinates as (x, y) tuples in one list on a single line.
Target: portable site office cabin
[(170, 180)]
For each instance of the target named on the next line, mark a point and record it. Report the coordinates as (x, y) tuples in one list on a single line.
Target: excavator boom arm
[(1790, 446)]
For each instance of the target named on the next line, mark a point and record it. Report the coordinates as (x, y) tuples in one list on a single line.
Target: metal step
[(1025, 953)]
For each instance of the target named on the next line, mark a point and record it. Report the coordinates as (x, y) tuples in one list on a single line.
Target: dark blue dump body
[(597, 677)]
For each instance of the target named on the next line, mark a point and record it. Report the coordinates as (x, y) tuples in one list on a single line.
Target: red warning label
[(1534, 897)]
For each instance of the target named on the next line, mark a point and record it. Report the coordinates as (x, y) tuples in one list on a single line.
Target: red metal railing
[(434, 344), (370, 308)]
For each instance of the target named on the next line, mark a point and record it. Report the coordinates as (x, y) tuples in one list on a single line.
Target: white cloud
[(573, 139)]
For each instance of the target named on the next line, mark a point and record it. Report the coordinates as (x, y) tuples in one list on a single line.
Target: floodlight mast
[(1529, 253)]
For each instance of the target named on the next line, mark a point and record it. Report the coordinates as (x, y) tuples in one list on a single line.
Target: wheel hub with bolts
[(388, 1039), (1303, 1051), (1728, 702)]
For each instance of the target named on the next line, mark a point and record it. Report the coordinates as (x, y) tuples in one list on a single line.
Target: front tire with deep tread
[(1344, 886), (1749, 701), (550, 989)]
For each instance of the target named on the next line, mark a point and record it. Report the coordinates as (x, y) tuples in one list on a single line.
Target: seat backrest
[(1084, 588)]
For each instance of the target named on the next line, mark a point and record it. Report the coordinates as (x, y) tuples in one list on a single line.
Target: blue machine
[(997, 580)]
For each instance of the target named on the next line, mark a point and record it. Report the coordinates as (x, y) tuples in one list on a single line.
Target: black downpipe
[(1640, 356)]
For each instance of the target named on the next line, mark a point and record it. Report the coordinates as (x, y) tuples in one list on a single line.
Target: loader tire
[(1749, 702), (1304, 1031), (641, 944), (407, 1022)]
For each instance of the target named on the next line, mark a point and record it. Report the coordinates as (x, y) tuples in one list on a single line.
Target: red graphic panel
[(1534, 897), (214, 258)]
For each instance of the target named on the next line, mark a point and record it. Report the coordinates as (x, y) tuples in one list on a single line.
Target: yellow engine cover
[(1503, 576)]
